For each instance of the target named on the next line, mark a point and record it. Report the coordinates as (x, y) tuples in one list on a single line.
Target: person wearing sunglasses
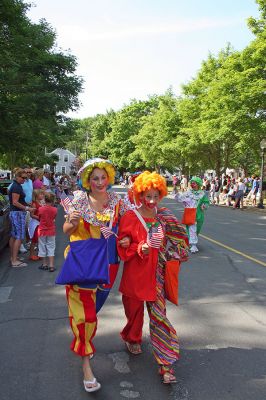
[(18, 211), (27, 185)]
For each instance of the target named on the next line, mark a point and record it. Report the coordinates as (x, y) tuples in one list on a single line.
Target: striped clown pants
[(83, 306), (82, 317), (164, 341)]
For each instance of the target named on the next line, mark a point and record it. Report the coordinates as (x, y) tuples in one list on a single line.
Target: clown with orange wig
[(154, 235)]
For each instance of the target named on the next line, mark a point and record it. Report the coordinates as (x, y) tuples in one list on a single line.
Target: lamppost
[(263, 147)]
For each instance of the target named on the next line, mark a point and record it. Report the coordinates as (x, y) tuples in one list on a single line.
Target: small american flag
[(66, 203), (156, 237), (107, 232)]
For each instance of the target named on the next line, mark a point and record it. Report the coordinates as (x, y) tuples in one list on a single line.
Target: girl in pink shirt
[(37, 182)]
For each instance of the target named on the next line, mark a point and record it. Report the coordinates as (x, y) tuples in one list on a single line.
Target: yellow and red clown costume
[(85, 300)]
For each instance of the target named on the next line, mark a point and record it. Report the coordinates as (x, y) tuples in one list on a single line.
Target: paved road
[(221, 323)]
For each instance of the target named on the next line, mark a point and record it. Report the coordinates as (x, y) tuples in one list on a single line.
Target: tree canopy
[(38, 85), (217, 122)]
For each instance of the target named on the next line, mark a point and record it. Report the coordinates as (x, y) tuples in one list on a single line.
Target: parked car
[(4, 183), (5, 224)]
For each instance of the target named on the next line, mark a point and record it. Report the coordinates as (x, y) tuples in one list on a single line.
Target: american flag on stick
[(107, 232), (156, 238), (66, 203)]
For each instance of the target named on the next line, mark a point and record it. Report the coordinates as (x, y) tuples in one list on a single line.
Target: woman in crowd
[(65, 184), (47, 180), (196, 199), (212, 192), (92, 208), (52, 180), (154, 235), (239, 196), (57, 188), (18, 211), (38, 179)]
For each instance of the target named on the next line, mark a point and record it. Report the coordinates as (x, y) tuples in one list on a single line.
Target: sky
[(130, 49)]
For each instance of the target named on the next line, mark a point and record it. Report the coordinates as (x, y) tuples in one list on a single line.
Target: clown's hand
[(145, 248), (125, 242), (73, 218)]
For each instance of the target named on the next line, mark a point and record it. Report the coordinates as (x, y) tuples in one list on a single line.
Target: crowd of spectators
[(235, 192), (225, 190), (32, 195)]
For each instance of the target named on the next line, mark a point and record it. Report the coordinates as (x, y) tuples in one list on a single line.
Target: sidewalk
[(245, 208)]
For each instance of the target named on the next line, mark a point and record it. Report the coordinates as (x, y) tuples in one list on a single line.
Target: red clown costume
[(144, 274)]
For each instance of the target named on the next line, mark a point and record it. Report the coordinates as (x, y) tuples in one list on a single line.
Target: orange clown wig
[(149, 180)]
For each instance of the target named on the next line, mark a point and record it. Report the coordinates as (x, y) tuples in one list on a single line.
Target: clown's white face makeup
[(98, 180), (150, 199)]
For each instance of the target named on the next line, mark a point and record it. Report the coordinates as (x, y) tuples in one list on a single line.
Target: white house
[(65, 161)]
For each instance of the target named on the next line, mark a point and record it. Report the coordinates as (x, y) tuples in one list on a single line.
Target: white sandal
[(19, 265), (94, 388)]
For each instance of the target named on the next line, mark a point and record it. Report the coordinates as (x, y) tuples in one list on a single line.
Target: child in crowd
[(212, 192), (230, 195), (223, 197), (46, 241), (37, 202)]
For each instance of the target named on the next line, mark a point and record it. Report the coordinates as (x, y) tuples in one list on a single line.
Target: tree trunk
[(218, 166), (11, 160)]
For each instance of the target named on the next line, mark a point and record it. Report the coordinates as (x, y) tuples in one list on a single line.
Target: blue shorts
[(18, 227), (239, 194)]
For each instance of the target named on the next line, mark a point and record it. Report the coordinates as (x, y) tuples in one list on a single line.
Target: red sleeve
[(129, 226)]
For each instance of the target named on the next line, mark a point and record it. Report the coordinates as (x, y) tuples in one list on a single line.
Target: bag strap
[(111, 220), (139, 216)]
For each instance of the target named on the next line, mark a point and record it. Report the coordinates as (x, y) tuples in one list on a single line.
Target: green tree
[(126, 123), (100, 129), (156, 142), (203, 134), (224, 117), (258, 26), (38, 85)]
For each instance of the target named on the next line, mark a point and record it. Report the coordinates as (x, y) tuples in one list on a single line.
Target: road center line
[(233, 250)]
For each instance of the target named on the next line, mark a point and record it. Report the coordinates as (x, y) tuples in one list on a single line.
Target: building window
[(63, 170), (66, 158)]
